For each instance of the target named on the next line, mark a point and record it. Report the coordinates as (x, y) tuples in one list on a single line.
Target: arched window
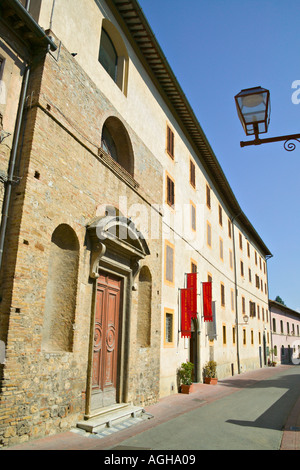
[(115, 141), (60, 302), (144, 308), (108, 143), (113, 55), (108, 55)]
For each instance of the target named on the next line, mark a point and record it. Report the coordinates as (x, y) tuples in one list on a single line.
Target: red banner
[(185, 313), (192, 285), (207, 301)]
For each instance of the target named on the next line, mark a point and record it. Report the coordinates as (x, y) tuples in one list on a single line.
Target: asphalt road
[(248, 419)]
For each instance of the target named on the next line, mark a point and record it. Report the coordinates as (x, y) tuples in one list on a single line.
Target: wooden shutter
[(170, 142), (192, 174), (169, 264), (170, 191)]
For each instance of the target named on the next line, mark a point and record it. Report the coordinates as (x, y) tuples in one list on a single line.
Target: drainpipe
[(10, 178), (236, 296), (270, 316), (12, 162)]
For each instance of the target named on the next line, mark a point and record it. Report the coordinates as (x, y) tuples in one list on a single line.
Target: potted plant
[(185, 377), (210, 373)]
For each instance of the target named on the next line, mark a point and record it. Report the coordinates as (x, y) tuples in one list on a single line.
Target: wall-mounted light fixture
[(254, 109)]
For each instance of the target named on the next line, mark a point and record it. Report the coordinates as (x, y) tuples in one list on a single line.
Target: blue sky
[(216, 48)]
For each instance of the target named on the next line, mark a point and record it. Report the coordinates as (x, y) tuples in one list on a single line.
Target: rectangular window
[(250, 275), (170, 142), (224, 335), (193, 266), (221, 249), (252, 309), (208, 234), (233, 335), (222, 295), (252, 337), (258, 312), (220, 216), (241, 241), (193, 216), (229, 228), (169, 328), (230, 259), (243, 305), (242, 269), (208, 196), (192, 174), (248, 249), (244, 337), (169, 263), (170, 192), (232, 299)]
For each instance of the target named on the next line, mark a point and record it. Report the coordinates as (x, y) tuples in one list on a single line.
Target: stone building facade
[(118, 196)]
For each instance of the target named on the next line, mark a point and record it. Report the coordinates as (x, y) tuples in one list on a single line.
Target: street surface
[(249, 419), (256, 410)]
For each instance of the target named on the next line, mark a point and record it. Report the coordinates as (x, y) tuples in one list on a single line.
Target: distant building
[(112, 195), (285, 327)]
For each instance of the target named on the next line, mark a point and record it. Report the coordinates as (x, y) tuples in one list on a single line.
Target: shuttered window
[(222, 295), (208, 196), (192, 174), (220, 216), (170, 192), (252, 309), (169, 263), (193, 217), (208, 234), (229, 228), (170, 142)]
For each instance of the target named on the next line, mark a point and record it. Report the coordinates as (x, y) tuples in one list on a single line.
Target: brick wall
[(65, 181)]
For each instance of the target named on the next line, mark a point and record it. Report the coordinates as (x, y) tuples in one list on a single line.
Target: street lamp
[(254, 108)]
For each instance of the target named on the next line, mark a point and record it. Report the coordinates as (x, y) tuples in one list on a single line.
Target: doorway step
[(113, 417)]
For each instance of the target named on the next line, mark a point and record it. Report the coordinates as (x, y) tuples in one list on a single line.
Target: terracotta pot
[(186, 388), (211, 380)]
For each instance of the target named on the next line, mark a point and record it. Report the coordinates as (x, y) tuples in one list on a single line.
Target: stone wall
[(67, 180)]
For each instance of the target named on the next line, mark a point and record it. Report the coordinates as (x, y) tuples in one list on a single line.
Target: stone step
[(110, 416)]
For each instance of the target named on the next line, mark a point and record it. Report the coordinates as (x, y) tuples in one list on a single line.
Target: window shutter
[(169, 263)]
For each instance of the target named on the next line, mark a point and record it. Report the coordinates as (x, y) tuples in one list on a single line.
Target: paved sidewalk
[(172, 407)]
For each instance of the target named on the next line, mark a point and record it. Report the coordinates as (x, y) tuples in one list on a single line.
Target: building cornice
[(284, 308), (138, 31)]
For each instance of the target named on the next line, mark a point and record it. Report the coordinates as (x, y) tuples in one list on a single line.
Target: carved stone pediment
[(117, 233)]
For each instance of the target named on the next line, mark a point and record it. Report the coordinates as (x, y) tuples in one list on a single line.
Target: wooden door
[(106, 339)]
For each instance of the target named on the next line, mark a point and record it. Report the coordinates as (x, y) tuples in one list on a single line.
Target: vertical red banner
[(192, 285), (207, 301), (185, 300)]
